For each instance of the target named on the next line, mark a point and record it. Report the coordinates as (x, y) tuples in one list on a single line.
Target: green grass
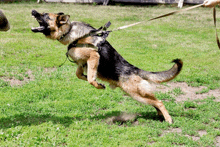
[(54, 108)]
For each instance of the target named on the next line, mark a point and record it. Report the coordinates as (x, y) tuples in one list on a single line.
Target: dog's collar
[(64, 35)]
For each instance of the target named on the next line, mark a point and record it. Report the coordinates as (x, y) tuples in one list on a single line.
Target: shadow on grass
[(33, 119), (118, 117), (113, 117)]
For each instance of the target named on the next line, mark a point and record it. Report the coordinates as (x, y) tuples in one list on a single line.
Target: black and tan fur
[(105, 62)]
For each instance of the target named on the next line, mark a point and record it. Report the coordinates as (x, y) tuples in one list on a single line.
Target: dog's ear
[(63, 19)]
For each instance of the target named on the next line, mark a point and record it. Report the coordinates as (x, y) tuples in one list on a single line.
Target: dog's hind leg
[(92, 64), (151, 100), (139, 89), (145, 94)]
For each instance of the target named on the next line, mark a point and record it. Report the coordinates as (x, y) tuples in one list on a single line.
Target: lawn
[(42, 104)]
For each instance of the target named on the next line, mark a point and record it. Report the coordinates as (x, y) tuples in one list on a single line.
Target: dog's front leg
[(79, 73), (92, 63)]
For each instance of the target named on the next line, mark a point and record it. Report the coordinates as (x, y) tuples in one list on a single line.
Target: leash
[(67, 57), (161, 16), (172, 13)]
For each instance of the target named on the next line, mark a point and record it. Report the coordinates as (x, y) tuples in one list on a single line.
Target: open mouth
[(40, 20)]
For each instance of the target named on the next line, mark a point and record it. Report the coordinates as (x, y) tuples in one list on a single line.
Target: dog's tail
[(163, 76)]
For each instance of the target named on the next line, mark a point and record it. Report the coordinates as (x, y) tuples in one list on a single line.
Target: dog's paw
[(169, 120)]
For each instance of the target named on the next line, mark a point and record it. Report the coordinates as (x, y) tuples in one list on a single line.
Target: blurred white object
[(180, 4)]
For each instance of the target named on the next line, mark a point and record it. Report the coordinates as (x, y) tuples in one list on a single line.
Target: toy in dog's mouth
[(41, 20)]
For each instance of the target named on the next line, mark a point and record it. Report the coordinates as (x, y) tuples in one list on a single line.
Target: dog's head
[(51, 25)]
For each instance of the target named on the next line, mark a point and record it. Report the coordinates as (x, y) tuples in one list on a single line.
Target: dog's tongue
[(38, 29)]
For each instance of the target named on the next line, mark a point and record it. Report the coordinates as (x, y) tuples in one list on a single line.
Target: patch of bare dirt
[(15, 82), (189, 92), (194, 138), (178, 130), (150, 143), (202, 132), (217, 141), (30, 75), (47, 70), (173, 130)]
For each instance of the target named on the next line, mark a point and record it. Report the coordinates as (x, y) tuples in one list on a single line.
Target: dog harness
[(100, 33)]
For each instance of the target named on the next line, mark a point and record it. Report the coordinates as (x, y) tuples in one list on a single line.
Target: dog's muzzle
[(43, 24)]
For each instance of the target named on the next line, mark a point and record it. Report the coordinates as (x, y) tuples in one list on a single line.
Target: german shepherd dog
[(105, 62)]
